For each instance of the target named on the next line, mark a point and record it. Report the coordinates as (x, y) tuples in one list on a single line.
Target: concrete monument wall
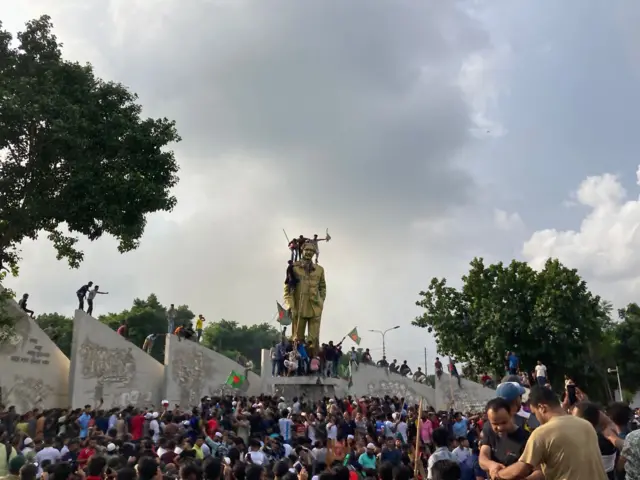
[(375, 381), (471, 397), (193, 371), (108, 366), (34, 373)]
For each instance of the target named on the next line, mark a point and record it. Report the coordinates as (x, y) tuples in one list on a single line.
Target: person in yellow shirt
[(199, 325)]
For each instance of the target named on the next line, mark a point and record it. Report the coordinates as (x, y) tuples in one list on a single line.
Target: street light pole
[(617, 372), (384, 333)]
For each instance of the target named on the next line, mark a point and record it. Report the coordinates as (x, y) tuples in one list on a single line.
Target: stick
[(416, 456), (285, 236)]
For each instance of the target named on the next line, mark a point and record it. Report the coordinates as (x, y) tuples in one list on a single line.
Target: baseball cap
[(510, 391), (111, 447), (371, 446)]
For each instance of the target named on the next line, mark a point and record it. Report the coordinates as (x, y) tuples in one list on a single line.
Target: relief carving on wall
[(113, 367), (27, 393), (460, 399), (395, 388), (191, 369)]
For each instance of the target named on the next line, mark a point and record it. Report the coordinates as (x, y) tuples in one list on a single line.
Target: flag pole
[(416, 452)]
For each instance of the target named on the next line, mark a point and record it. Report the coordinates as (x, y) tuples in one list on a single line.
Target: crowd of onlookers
[(549, 436), (299, 357)]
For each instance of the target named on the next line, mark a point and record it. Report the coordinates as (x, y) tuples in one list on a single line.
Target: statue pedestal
[(313, 388)]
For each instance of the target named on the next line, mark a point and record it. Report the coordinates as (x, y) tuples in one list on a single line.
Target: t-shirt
[(505, 449), (47, 453), (566, 447), (122, 330), (541, 371), (199, 322), (82, 291), (513, 361), (83, 421), (367, 461), (460, 427), (285, 425)]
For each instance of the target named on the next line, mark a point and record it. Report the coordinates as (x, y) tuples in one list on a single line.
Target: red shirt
[(212, 427), (137, 423), (122, 330), (85, 454)]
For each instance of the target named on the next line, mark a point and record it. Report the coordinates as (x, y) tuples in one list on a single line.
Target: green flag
[(283, 316), (353, 335), (235, 379)]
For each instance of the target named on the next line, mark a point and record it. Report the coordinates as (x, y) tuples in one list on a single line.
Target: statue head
[(308, 251)]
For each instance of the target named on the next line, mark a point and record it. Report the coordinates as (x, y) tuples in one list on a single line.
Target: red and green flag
[(235, 379), (353, 335), (283, 316)]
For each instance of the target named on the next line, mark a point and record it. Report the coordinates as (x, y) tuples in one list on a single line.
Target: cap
[(218, 434), (371, 446), (155, 415), (165, 402), (16, 463), (510, 391), (111, 447), (350, 437), (28, 441)]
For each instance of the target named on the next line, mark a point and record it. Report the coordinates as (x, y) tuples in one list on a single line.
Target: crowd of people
[(549, 436), (299, 358)]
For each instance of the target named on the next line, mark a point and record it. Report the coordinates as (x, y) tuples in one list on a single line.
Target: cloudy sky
[(421, 133)]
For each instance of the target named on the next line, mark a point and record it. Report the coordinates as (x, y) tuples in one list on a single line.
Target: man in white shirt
[(47, 453), (285, 424), (541, 374), (462, 451)]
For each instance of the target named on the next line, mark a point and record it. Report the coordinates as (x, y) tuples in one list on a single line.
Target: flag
[(353, 335), (235, 379), (283, 315)]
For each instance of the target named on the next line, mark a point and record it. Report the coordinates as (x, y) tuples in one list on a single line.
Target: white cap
[(28, 441), (111, 447), (186, 423), (331, 400), (371, 446), (227, 460), (165, 402), (155, 415), (350, 437), (282, 399), (218, 434), (234, 403)]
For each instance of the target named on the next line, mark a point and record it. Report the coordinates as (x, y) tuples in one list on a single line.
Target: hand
[(303, 475), (495, 468)]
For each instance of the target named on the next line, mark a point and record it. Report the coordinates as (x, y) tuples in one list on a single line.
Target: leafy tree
[(59, 328), (146, 317), (234, 340), (626, 344), (548, 315), (74, 151)]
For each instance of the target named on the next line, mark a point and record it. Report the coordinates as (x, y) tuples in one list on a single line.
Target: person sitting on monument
[(404, 369), (366, 357), (393, 367), (23, 304), (383, 363), (291, 363), (419, 376)]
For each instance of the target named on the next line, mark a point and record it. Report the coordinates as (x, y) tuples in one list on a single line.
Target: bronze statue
[(305, 299)]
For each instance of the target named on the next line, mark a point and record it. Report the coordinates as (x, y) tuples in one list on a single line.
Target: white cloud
[(606, 248), (507, 221)]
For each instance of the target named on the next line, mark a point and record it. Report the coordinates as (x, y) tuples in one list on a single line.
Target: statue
[(305, 299)]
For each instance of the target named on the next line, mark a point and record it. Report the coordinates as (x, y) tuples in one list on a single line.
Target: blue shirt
[(460, 428), (513, 361), (83, 420), (303, 352)]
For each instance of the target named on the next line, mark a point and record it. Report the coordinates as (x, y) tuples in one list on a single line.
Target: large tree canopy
[(75, 154), (232, 340), (548, 315)]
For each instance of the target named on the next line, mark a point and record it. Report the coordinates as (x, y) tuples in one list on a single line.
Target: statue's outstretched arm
[(322, 287)]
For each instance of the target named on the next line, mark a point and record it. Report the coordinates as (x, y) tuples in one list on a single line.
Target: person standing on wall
[(199, 324), (172, 313), (23, 304), (91, 294), (81, 293)]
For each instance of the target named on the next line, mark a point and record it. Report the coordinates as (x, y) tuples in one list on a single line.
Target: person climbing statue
[(81, 293), (23, 304), (91, 295), (291, 280), (314, 241), (293, 247)]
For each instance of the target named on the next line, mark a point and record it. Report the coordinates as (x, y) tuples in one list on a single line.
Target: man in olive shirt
[(564, 447)]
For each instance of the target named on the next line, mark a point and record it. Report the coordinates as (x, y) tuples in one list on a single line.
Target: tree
[(75, 155), (232, 340), (59, 328), (548, 315), (146, 317), (626, 342)]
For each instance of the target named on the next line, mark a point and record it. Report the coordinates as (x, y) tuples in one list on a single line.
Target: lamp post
[(383, 333), (617, 372)]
